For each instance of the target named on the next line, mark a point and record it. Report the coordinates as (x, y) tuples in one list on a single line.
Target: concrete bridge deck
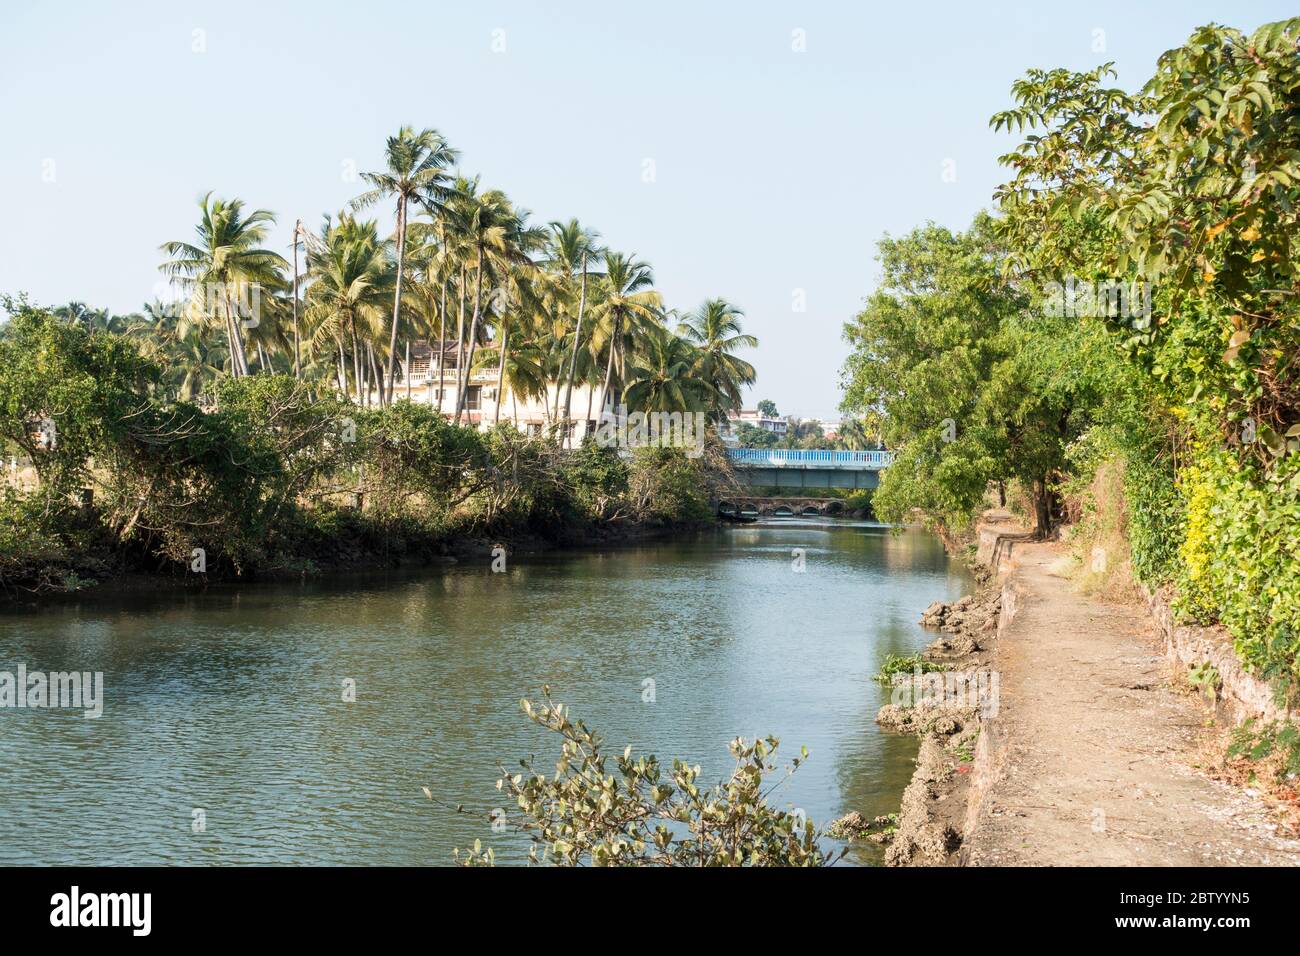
[(809, 467)]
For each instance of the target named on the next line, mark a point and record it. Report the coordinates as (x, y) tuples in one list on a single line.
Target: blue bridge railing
[(810, 458)]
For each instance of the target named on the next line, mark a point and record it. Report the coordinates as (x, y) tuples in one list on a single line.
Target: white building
[(432, 380), (749, 416)]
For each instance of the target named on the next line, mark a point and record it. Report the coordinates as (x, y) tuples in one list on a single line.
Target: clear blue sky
[(775, 170)]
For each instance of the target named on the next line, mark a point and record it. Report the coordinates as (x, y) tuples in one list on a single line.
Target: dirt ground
[(1091, 758)]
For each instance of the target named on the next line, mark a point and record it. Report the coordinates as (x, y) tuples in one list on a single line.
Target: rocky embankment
[(941, 702)]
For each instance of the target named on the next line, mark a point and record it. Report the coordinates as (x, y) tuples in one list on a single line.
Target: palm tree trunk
[(609, 367), (238, 361), (442, 341), (356, 358), (501, 366), (460, 342), (297, 351), (375, 376), (397, 296), (573, 357), (473, 334)]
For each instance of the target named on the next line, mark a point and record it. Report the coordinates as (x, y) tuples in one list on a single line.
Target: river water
[(226, 739)]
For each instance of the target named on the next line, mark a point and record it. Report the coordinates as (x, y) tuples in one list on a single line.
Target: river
[(226, 739)]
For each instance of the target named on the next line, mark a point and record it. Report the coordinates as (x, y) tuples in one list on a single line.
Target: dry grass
[(1102, 564), (1264, 777)]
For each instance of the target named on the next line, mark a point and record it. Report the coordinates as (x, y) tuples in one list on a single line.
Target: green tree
[(714, 329), (665, 376), (351, 276), (971, 385), (751, 436), (417, 165), (571, 249), (226, 269), (628, 307)]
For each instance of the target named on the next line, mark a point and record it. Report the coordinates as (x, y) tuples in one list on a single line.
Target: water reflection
[(230, 700)]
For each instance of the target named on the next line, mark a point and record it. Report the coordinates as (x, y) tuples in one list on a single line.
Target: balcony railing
[(810, 458)]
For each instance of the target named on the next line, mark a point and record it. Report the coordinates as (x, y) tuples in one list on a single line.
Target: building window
[(419, 370), (473, 398)]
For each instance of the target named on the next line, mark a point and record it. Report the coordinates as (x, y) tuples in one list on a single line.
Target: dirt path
[(1089, 761)]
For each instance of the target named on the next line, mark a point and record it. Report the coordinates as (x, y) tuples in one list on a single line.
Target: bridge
[(809, 467), (781, 506)]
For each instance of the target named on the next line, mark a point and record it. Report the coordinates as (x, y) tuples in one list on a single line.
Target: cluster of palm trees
[(464, 269)]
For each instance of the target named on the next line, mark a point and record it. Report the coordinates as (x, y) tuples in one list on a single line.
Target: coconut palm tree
[(628, 307), (78, 313), (494, 237), (571, 248), (351, 276), (224, 265), (417, 165), (188, 358), (853, 435), (523, 298), (714, 329), (661, 377)]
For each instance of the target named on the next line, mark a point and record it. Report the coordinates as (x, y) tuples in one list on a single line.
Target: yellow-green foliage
[(1241, 557), (1195, 551)]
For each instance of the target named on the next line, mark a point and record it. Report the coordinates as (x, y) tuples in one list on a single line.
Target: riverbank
[(1095, 752), (347, 555)]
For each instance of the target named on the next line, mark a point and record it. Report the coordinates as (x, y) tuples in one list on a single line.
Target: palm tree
[(524, 287), (227, 258), (351, 276), (493, 236), (78, 313), (629, 306), (661, 378), (714, 328), (853, 435), (188, 359), (417, 172), (571, 246)]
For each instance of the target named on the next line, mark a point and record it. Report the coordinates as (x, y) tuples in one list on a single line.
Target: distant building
[(830, 427), (431, 379), (730, 432), (748, 416)]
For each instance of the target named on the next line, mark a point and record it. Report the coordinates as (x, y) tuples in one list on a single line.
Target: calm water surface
[(231, 700)]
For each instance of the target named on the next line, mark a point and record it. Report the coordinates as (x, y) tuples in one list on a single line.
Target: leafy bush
[(597, 479), (1241, 558), (667, 487), (1258, 741), (1189, 186), (626, 811)]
